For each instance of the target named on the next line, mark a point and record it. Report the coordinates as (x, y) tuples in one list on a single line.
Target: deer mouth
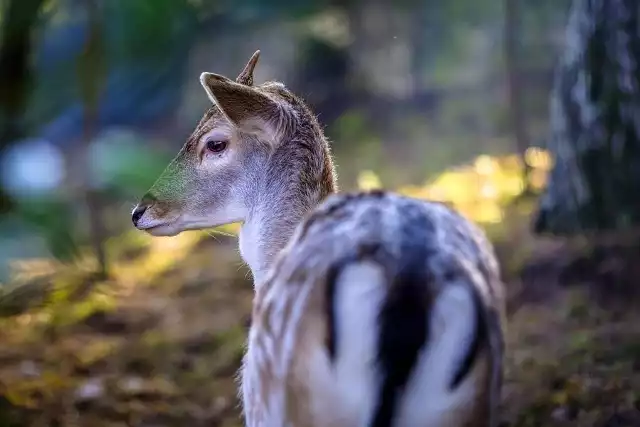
[(164, 229)]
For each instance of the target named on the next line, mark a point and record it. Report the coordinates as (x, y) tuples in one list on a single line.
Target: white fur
[(360, 291), (250, 251), (233, 211), (427, 396)]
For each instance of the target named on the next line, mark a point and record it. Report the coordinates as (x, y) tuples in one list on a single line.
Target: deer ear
[(246, 108), (246, 76)]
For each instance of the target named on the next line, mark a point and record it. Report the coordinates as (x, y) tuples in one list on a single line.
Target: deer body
[(371, 309), (380, 311)]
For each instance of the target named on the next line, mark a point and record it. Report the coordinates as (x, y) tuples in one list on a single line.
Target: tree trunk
[(511, 37), (15, 49), (595, 123), (19, 18), (92, 76)]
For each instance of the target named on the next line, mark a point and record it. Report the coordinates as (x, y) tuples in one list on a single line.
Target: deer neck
[(290, 187)]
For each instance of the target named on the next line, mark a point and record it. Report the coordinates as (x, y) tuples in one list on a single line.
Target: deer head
[(257, 154)]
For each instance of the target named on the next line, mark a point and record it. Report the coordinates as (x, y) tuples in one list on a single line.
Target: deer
[(371, 308)]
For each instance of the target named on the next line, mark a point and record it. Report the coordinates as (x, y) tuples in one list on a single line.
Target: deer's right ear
[(248, 109), (246, 76)]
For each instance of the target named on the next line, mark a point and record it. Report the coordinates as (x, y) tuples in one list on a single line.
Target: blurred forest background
[(469, 102)]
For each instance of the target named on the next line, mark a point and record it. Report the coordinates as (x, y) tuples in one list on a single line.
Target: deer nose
[(147, 200), (137, 213)]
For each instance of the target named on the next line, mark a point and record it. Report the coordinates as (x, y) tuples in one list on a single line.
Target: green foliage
[(55, 220), (125, 33), (125, 168), (259, 10), (143, 29), (352, 125), (362, 148), (471, 13)]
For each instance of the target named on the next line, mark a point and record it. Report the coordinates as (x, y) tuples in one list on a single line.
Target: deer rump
[(392, 333)]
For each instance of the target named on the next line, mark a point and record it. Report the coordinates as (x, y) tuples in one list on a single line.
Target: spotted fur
[(371, 309), (422, 249)]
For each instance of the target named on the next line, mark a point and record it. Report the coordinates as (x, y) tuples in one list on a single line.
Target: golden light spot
[(368, 180), (481, 189), (484, 165), (538, 159)]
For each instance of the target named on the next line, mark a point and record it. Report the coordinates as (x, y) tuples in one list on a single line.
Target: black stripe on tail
[(403, 326), (403, 333), (404, 315)]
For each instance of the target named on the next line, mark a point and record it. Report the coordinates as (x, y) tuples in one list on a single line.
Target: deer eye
[(216, 146)]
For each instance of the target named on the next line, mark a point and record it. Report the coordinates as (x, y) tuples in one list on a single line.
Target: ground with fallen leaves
[(159, 343)]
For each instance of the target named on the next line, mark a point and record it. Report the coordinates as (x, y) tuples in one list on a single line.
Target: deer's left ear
[(248, 109)]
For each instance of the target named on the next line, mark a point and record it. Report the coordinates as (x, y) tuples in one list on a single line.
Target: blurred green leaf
[(127, 167), (55, 220), (143, 29)]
